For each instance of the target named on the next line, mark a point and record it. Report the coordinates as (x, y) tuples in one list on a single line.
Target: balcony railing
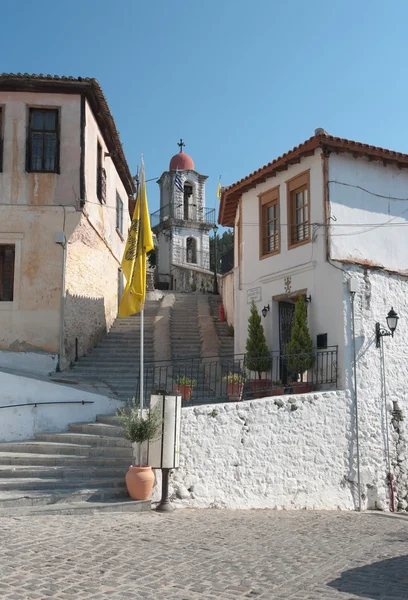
[(217, 380), (192, 213)]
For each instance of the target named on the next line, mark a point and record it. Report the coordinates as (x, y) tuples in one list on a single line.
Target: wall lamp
[(265, 310), (392, 322)]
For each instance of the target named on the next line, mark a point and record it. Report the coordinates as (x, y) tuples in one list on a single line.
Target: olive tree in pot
[(139, 430), (300, 353), (258, 357)]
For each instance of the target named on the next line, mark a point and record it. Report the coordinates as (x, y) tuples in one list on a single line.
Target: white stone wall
[(377, 293), (288, 452)]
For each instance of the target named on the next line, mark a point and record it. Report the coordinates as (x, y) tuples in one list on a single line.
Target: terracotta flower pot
[(234, 389), (185, 391), (260, 387), (303, 388), (277, 391), (139, 482)]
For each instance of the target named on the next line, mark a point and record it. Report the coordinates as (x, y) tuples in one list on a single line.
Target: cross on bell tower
[(181, 144)]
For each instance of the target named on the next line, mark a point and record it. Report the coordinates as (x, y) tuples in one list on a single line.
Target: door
[(286, 320)]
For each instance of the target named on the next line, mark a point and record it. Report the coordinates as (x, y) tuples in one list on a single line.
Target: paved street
[(203, 555)]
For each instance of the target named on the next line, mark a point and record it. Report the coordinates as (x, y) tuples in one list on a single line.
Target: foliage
[(186, 381), (193, 286), (277, 383), (152, 257), (300, 347), (224, 243), (233, 378), (230, 330), (137, 429), (257, 354)]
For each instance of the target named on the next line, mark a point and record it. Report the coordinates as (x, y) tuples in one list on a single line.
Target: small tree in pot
[(139, 431), (258, 357), (300, 348)]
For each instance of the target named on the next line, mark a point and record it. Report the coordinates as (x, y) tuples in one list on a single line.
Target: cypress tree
[(300, 347), (257, 354)]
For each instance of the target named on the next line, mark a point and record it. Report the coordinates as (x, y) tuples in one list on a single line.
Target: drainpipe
[(353, 289), (60, 239)]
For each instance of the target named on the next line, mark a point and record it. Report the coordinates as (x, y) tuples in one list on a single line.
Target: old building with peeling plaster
[(64, 205)]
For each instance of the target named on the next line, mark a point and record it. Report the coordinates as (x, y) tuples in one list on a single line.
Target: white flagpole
[(143, 182)]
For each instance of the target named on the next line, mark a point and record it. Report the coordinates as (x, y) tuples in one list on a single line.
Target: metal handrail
[(53, 402)]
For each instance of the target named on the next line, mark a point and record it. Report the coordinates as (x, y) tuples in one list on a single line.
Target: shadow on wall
[(84, 325), (384, 579)]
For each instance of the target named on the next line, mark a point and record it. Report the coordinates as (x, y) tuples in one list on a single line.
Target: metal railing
[(35, 404), (237, 377), (203, 215)]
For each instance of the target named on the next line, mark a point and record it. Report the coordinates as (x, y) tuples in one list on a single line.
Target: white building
[(182, 225), (327, 217)]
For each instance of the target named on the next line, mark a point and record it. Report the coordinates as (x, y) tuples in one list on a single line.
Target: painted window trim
[(269, 198), (294, 185), (2, 128)]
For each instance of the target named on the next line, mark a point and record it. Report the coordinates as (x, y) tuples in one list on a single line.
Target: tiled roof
[(92, 90), (231, 194)]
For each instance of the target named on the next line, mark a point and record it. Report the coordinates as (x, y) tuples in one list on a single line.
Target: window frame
[(266, 200), (294, 186), (44, 109), (13, 270), (2, 111), (119, 214)]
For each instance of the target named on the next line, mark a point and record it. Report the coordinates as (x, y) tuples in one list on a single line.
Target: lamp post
[(392, 322), (215, 229)]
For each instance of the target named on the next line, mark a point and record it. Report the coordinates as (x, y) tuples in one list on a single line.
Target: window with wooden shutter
[(269, 223), (7, 256), (298, 192)]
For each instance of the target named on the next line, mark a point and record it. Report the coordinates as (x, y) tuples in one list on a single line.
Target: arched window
[(188, 201), (192, 250)]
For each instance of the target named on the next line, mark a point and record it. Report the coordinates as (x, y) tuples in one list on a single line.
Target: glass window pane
[(299, 199), (49, 151), (299, 217), (50, 120), (272, 212), (306, 213), (37, 121), (36, 151)]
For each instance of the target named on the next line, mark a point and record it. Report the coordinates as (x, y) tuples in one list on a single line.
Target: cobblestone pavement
[(203, 555)]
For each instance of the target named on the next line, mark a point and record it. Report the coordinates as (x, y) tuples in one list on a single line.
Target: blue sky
[(241, 82)]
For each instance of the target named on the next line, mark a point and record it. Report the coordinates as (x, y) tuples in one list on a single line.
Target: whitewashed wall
[(21, 423), (366, 239)]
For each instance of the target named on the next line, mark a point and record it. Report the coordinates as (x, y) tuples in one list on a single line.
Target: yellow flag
[(219, 189), (139, 242)]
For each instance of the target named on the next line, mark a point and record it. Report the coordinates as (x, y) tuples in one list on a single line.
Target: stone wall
[(92, 283), (283, 452)]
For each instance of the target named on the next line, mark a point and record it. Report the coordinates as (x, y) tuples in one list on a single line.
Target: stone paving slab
[(205, 555)]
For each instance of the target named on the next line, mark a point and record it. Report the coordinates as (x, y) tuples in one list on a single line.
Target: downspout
[(63, 242)]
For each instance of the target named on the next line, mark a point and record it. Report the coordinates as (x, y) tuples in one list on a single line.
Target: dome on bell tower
[(181, 161)]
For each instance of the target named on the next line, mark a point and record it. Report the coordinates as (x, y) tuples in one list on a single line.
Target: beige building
[(65, 190)]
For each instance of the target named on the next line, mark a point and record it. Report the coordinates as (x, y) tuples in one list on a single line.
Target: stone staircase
[(80, 470), (115, 361), (184, 328), (222, 329)]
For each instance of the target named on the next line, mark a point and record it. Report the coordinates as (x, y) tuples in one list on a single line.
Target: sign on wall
[(254, 294)]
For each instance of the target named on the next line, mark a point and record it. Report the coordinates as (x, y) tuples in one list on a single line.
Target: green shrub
[(300, 348), (257, 354)]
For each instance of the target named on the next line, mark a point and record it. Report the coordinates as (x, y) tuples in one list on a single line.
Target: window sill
[(297, 244), (44, 172), (269, 254), (120, 234)]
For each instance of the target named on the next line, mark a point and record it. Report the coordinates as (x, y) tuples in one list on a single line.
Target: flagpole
[(142, 311)]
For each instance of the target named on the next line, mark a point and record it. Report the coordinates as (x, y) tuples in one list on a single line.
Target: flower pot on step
[(235, 390), (303, 388), (185, 391), (260, 388), (139, 482), (277, 391)]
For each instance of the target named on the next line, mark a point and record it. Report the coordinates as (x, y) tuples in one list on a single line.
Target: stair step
[(87, 439), (109, 430), (16, 498), (79, 508), (41, 447), (62, 471), (66, 460), (47, 483)]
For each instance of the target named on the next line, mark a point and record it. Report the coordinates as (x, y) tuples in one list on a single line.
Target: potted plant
[(300, 357), (258, 357), (185, 387), (277, 388), (139, 430), (235, 384)]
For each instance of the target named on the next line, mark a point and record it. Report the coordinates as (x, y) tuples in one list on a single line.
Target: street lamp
[(392, 322), (265, 310), (215, 229)]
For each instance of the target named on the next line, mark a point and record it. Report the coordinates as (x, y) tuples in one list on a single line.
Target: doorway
[(286, 320)]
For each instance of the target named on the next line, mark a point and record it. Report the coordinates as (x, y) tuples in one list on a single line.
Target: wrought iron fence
[(212, 380), (190, 213)]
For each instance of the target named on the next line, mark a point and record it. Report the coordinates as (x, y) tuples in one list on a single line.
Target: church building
[(182, 226)]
